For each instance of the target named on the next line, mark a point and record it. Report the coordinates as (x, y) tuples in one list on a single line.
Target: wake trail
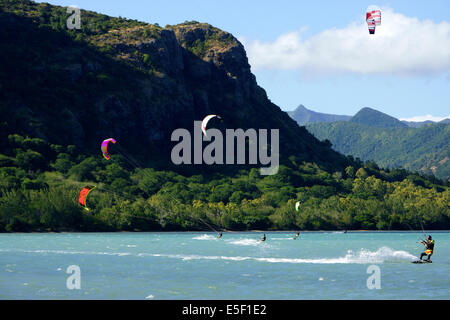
[(205, 237), (363, 256), (245, 242)]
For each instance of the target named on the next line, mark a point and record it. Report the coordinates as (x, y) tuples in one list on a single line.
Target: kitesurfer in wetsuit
[(263, 238), (296, 236), (429, 247), (219, 235)]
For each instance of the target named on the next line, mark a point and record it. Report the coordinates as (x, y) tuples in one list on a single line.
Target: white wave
[(205, 237), (124, 254), (235, 258), (363, 256), (381, 255), (193, 257), (245, 242), (68, 252)]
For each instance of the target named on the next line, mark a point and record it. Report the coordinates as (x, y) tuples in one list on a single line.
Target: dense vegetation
[(40, 183), (63, 91), (426, 148), (375, 118), (373, 135), (131, 80)]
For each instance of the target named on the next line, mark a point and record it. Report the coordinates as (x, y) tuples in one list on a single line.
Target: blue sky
[(261, 25)]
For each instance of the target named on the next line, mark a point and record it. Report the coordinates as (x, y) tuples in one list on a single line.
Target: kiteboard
[(422, 261)]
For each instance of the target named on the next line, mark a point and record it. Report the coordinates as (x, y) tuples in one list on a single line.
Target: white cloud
[(401, 45), (425, 118)]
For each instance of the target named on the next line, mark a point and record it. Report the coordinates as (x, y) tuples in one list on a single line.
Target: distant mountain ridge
[(393, 143), (375, 118), (304, 116), (418, 124), (373, 135), (366, 115)]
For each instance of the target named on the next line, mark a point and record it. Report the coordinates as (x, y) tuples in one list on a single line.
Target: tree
[(350, 171), (31, 160), (84, 170), (361, 173)]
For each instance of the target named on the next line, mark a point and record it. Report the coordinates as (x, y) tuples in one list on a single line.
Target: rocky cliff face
[(137, 83)]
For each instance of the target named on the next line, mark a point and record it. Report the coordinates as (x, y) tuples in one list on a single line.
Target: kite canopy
[(373, 18), (83, 195), (297, 204), (375, 13), (105, 147), (206, 120)]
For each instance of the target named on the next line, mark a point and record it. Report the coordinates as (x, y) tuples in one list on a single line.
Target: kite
[(105, 147), (206, 120), (83, 195), (373, 18)]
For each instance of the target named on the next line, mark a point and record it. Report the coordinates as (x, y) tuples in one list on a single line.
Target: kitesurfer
[(219, 235), (263, 238), (429, 247), (297, 235)]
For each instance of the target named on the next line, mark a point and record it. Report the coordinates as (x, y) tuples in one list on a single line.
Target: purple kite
[(105, 147)]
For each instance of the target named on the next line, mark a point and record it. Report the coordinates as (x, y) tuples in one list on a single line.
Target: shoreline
[(246, 231)]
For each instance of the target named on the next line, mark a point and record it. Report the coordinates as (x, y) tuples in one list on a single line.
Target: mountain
[(304, 116), (375, 118), (133, 81), (374, 135), (64, 91), (418, 124), (425, 149)]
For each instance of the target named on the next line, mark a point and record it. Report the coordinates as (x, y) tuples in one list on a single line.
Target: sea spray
[(245, 242), (205, 237), (363, 256)]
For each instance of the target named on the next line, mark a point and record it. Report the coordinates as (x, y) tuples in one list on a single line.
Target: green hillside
[(135, 81), (425, 149), (63, 91), (375, 118)]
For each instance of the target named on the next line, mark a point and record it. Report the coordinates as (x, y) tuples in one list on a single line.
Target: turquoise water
[(188, 265)]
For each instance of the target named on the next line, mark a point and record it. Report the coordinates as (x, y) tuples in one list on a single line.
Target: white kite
[(206, 120)]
